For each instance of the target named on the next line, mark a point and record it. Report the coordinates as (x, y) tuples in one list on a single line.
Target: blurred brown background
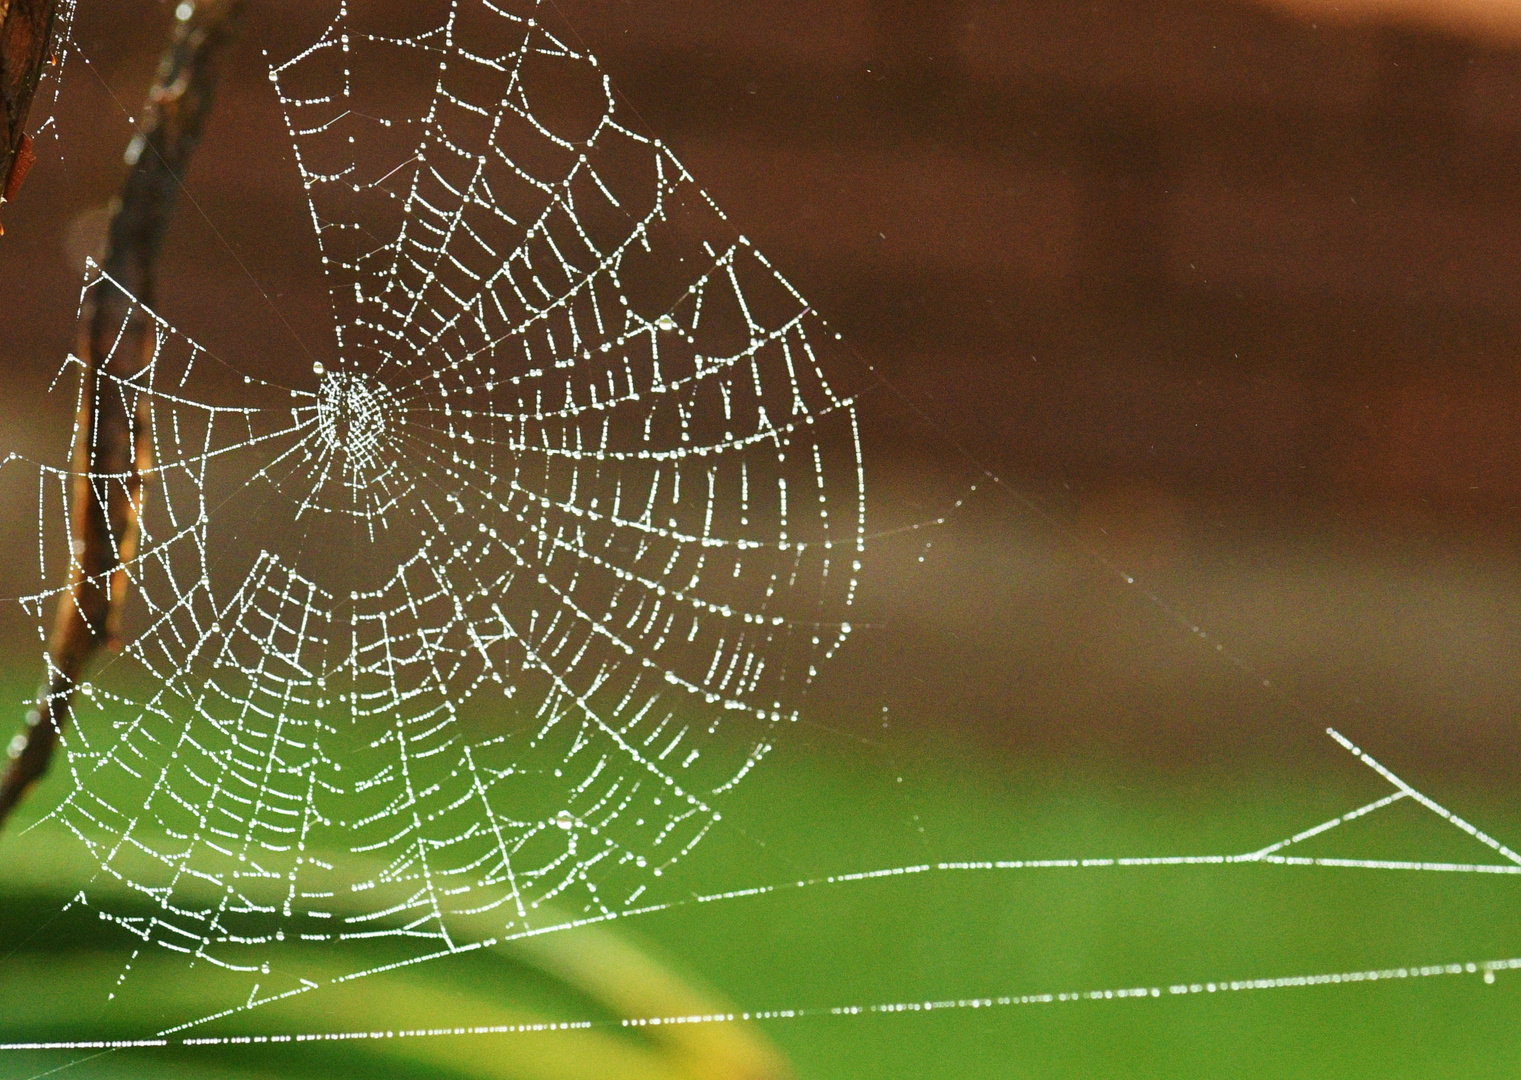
[(1232, 290)]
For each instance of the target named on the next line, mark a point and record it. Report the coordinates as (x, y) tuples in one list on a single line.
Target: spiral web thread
[(491, 610)]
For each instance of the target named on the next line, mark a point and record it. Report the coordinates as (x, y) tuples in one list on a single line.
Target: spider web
[(51, 81), (466, 633), (498, 603)]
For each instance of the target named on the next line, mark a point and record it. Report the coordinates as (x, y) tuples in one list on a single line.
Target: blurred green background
[(927, 937), (1226, 300)]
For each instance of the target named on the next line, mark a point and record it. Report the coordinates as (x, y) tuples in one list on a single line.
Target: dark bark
[(26, 34), (112, 450)]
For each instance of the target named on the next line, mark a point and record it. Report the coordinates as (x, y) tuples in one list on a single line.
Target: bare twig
[(111, 444), (26, 35)]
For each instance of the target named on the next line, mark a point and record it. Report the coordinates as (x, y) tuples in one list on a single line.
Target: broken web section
[(471, 629)]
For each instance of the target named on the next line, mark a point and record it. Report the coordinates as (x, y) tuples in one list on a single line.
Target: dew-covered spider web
[(467, 622), (45, 100), (503, 599)]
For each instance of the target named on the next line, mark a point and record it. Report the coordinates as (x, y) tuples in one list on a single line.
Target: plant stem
[(112, 449), (26, 36)]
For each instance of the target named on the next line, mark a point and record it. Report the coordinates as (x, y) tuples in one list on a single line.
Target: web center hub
[(354, 413)]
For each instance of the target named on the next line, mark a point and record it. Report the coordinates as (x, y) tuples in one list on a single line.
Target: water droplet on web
[(565, 819), (317, 368)]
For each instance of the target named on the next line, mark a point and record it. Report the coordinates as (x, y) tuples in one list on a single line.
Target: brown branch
[(112, 451), (26, 34)]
